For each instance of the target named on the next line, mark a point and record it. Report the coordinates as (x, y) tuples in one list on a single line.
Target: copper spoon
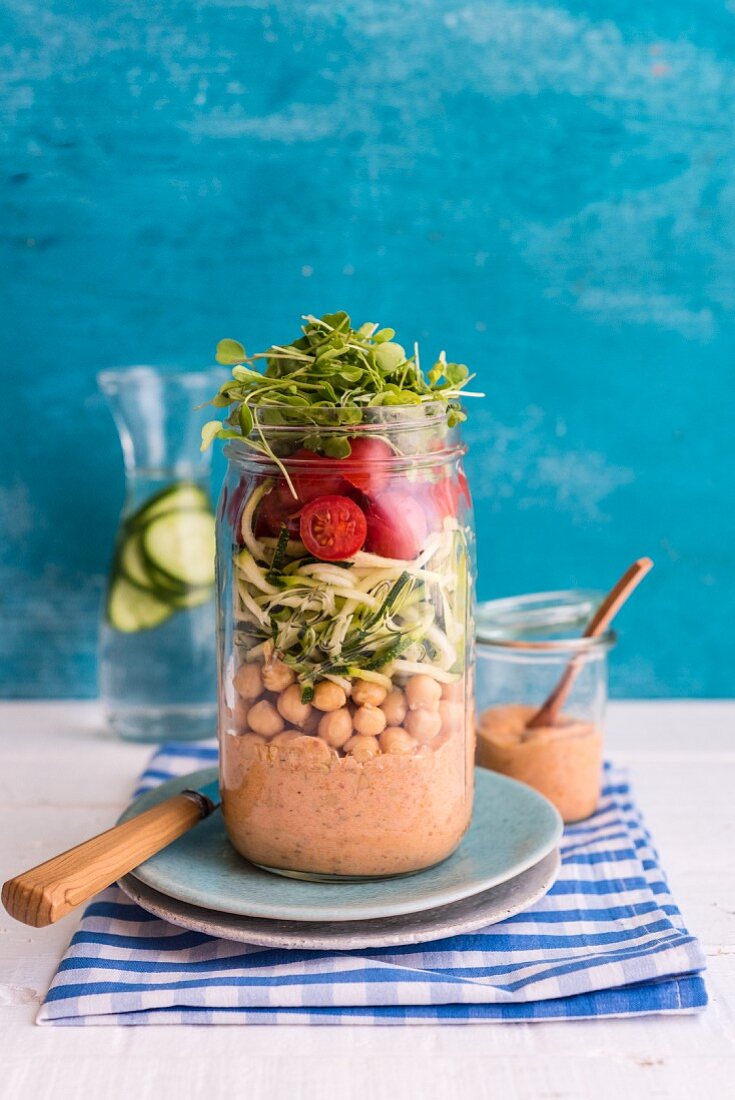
[(549, 710)]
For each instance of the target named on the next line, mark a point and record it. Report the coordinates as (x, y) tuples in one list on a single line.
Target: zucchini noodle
[(366, 617), (246, 524)]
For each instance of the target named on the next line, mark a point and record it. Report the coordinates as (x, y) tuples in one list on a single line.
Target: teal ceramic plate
[(512, 829)]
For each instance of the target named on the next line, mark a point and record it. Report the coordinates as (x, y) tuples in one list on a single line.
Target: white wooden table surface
[(62, 778)]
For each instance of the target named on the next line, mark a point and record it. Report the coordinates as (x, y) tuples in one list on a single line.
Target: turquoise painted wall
[(545, 190)]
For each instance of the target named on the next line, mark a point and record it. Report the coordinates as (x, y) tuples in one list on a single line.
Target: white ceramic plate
[(468, 915)]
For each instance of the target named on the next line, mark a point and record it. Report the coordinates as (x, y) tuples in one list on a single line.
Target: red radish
[(368, 457), (323, 476), (396, 525), (277, 507), (444, 498)]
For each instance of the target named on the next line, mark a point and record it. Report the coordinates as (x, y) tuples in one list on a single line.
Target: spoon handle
[(48, 892), (549, 710)]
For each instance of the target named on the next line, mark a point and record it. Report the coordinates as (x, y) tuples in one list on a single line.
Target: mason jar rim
[(239, 451), (374, 418), (539, 612), (385, 421)]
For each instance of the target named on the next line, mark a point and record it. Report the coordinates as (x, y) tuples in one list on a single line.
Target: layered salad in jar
[(345, 592)]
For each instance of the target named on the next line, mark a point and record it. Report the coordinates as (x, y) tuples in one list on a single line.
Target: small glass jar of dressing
[(525, 645)]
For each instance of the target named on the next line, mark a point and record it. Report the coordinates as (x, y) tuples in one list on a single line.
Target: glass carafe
[(157, 657)]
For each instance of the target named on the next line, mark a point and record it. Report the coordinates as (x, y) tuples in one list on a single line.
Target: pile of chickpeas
[(368, 722)]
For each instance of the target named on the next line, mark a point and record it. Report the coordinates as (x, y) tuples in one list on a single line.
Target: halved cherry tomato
[(365, 467), (396, 525), (332, 528)]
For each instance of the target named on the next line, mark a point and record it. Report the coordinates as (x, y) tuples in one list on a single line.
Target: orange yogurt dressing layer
[(302, 807)]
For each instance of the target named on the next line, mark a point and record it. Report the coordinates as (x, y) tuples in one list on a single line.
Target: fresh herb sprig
[(332, 366)]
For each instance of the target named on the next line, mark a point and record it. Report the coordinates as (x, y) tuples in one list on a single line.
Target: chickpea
[(336, 727), (397, 742), (394, 707), (362, 748), (423, 691), (277, 676), (454, 692), (290, 706), (364, 692), (285, 737), (310, 750), (452, 716), (263, 718), (328, 696), (248, 681), (423, 725), (369, 721)]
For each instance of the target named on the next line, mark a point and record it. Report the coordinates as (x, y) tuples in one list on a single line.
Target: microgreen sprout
[(330, 367)]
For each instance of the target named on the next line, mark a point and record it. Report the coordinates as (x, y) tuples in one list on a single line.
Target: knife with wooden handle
[(48, 892)]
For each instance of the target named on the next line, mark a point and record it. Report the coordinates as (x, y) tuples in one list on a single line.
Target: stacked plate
[(508, 859)]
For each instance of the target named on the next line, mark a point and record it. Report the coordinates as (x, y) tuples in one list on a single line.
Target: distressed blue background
[(546, 191)]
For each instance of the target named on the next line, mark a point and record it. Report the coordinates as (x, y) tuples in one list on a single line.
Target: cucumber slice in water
[(132, 564), (134, 567), (181, 496), (181, 546), (130, 609), (166, 587), (193, 597)]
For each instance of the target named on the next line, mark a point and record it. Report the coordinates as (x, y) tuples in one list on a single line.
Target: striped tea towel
[(607, 940)]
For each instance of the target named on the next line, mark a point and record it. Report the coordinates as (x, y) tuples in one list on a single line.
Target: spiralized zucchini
[(368, 616)]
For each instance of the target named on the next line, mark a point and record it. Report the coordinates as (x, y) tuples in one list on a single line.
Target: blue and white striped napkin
[(607, 940)]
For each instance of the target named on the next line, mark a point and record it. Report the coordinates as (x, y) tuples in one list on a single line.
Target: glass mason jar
[(157, 653), (346, 721), (527, 646)]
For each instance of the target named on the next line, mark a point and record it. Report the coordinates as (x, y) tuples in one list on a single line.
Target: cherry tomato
[(365, 468), (396, 525), (332, 528)]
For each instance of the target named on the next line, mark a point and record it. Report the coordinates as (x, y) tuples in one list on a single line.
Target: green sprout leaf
[(338, 321), (229, 352), (245, 418), (388, 356), (210, 432), (336, 447)]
